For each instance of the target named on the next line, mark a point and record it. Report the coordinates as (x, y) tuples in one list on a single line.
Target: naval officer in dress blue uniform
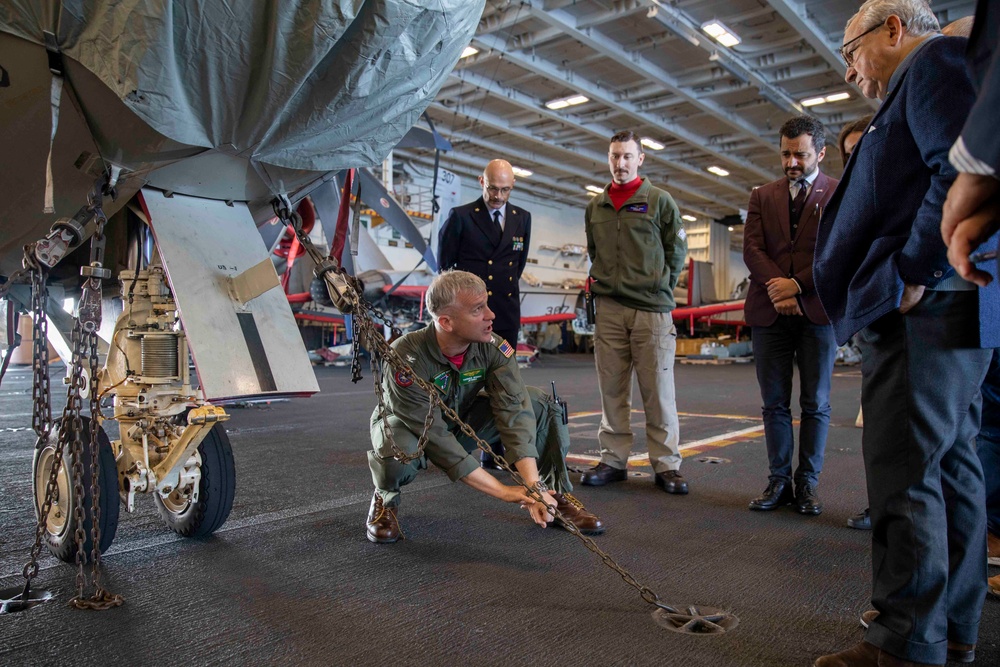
[(489, 238)]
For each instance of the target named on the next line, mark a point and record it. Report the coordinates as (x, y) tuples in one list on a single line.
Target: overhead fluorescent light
[(720, 33), (730, 229), (689, 218), (718, 171), (652, 144), (594, 189), (563, 102), (523, 173), (815, 101), (469, 51)]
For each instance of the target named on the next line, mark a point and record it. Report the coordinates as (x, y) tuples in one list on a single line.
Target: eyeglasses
[(493, 190), (848, 56)]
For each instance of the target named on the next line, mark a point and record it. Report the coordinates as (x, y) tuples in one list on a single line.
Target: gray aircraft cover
[(316, 85)]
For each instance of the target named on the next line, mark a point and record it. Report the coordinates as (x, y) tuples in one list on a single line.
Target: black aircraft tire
[(216, 490), (61, 525)]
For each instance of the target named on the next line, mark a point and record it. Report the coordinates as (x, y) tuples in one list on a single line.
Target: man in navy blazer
[(489, 238), (881, 269), (789, 326)]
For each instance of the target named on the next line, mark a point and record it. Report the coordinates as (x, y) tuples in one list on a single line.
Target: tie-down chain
[(39, 257), (348, 297)]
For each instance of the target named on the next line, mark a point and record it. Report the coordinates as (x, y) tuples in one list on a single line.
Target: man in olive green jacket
[(476, 373), (637, 246)]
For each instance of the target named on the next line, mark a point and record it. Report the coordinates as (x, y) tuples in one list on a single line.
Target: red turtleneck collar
[(620, 194)]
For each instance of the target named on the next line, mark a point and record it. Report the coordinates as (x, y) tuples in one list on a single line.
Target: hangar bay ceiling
[(551, 80)]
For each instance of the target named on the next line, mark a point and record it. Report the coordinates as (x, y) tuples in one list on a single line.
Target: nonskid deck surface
[(291, 579)]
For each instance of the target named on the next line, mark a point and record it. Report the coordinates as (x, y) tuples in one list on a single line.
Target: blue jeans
[(988, 443), (794, 340)]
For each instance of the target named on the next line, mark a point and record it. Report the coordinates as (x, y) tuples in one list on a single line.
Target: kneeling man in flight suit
[(476, 373)]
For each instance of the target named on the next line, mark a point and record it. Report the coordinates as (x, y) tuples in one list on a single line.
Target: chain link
[(41, 414), (364, 315), (41, 392), (84, 347)]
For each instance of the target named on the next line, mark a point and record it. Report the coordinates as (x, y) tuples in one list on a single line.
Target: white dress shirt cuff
[(963, 160)]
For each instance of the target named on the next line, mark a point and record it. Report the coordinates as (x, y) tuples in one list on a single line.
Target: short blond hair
[(445, 288)]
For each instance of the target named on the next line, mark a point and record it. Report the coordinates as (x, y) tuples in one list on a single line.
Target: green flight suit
[(487, 393)]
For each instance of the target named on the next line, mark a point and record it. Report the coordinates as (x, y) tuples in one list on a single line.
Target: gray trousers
[(551, 443), (921, 374)]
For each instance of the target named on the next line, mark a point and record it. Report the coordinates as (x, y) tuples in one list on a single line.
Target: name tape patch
[(472, 375)]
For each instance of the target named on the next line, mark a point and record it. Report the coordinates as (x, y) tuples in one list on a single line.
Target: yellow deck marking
[(577, 415), (687, 449)]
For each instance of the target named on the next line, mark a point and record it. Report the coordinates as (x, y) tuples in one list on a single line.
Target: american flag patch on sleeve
[(506, 348)]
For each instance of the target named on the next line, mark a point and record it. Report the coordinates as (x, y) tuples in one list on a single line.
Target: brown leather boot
[(956, 652), (866, 655), (573, 510), (383, 522)]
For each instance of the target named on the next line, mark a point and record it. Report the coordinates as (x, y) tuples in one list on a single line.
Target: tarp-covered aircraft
[(186, 125)]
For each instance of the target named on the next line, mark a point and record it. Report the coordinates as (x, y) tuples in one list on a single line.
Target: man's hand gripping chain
[(349, 299)]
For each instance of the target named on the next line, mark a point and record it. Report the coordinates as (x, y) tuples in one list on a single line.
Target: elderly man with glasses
[(881, 269)]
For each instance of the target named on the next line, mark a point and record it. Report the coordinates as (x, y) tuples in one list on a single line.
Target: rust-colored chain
[(41, 415), (41, 391), (363, 314), (101, 599), (84, 339), (378, 372), (379, 347), (70, 427)]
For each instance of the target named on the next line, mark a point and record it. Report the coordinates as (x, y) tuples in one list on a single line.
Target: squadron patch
[(681, 234), (637, 208), (403, 379), (442, 381)]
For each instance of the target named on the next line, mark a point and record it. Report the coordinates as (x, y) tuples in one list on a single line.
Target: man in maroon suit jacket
[(789, 326)]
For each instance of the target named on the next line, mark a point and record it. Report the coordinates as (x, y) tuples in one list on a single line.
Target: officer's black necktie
[(496, 219), (798, 203)]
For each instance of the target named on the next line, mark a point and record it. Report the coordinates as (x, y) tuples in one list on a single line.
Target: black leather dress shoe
[(490, 462), (601, 474), (861, 521), (382, 526), (964, 653), (806, 500), (671, 481), (777, 493)]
